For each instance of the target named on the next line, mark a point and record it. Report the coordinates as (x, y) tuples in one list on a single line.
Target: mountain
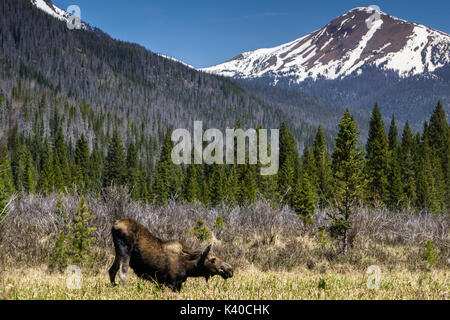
[(89, 84), (48, 7), (356, 60), (363, 37)]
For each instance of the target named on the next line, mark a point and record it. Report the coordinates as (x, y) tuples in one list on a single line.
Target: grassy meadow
[(274, 254), (250, 284)]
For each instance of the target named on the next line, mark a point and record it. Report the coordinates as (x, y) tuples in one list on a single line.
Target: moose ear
[(207, 250), (204, 255)]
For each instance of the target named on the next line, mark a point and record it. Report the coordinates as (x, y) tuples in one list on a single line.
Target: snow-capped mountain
[(361, 38), (48, 7)]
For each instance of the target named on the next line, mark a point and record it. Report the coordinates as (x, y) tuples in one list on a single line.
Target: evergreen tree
[(289, 164), (348, 176), (232, 184), (133, 171), (60, 148), (395, 196), (304, 202), (248, 186), (80, 236), (393, 135), (46, 174), (115, 170), (439, 136), (323, 173), (168, 180), (376, 168), (192, 188), (217, 192), (96, 169), (6, 179), (430, 179), (82, 158), (58, 177), (407, 161)]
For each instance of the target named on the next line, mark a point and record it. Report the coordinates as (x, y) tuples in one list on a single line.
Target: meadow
[(275, 255)]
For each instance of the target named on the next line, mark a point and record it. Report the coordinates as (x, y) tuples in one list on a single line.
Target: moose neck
[(194, 270)]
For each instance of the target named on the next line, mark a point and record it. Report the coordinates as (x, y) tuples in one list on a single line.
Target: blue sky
[(204, 33)]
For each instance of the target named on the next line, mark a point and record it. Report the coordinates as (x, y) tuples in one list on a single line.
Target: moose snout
[(226, 270)]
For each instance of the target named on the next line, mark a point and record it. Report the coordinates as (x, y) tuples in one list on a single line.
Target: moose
[(168, 263)]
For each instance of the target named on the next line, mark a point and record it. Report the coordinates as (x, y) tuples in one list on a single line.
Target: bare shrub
[(258, 234)]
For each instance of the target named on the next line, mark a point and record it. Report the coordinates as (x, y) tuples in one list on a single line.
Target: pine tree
[(376, 167), (289, 165), (168, 180), (80, 236), (395, 197), (132, 172), (96, 169), (430, 179), (407, 162), (393, 135), (232, 184), (248, 188), (28, 181), (304, 202), (115, 170), (438, 135), (192, 188), (60, 148), (6, 180), (58, 177), (323, 173), (46, 174), (217, 192), (348, 176), (82, 159)]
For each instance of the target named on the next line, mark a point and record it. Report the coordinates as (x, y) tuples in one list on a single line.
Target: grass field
[(275, 255), (249, 284)]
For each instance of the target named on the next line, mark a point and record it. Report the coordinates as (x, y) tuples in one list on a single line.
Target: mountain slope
[(94, 83), (363, 37), (48, 7), (359, 58)]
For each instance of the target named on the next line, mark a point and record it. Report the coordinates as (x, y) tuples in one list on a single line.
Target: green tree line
[(396, 170)]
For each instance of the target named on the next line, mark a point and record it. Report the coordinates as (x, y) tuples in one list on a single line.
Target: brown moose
[(166, 262)]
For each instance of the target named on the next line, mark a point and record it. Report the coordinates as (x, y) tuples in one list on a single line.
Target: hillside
[(95, 82)]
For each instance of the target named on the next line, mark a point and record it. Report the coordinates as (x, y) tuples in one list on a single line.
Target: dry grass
[(250, 284), (275, 255)]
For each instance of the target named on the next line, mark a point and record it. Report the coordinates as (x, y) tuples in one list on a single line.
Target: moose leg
[(124, 263), (113, 270), (123, 253)]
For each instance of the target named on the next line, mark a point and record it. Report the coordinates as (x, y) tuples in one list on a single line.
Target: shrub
[(81, 238), (322, 284), (59, 256), (219, 224), (200, 231), (74, 242), (429, 254)]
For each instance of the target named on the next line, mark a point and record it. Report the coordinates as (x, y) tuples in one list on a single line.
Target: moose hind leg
[(113, 270)]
